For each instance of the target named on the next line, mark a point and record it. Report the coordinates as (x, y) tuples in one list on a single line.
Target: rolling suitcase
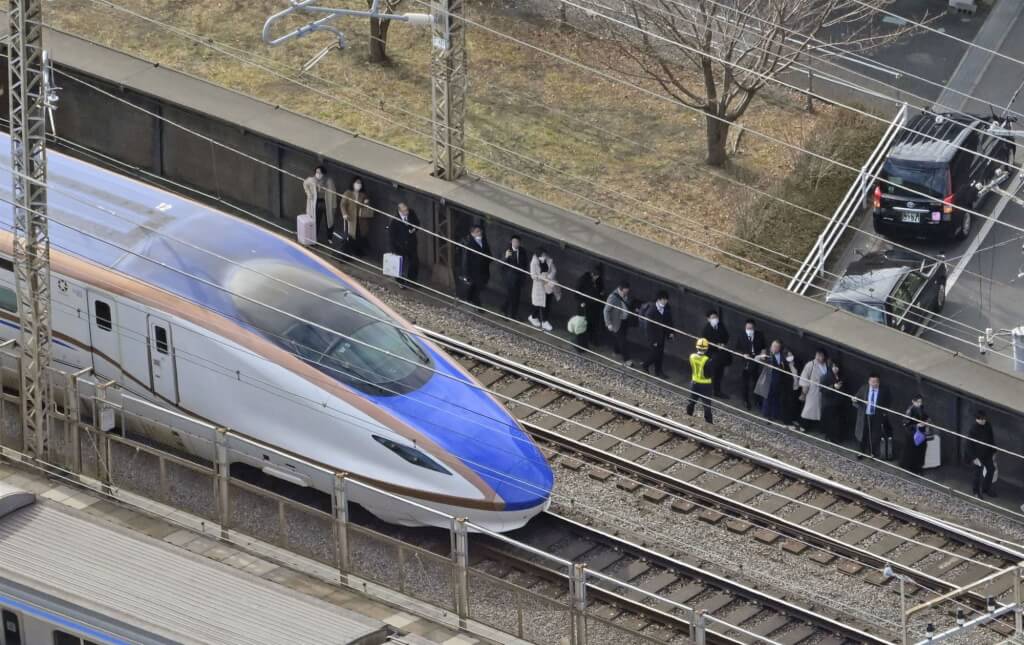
[(305, 229)]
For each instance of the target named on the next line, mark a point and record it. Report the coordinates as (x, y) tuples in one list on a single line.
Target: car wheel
[(940, 297), (964, 229)]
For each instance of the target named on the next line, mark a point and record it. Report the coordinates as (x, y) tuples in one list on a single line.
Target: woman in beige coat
[(357, 215), (811, 378), (321, 200), (542, 271)]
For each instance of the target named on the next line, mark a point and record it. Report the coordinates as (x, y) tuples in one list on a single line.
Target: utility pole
[(28, 97), (448, 94)]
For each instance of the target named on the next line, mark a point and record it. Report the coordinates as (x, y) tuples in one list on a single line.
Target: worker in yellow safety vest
[(700, 380)]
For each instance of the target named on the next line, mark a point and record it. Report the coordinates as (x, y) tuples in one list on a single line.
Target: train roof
[(108, 577)]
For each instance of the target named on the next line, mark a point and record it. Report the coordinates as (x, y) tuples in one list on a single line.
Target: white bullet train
[(225, 321)]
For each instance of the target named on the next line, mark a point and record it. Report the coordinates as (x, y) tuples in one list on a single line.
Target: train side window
[(12, 628), (160, 338), (104, 319), (64, 638), (8, 300)]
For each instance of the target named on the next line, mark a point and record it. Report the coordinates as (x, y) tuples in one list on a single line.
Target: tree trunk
[(718, 134), (379, 40)]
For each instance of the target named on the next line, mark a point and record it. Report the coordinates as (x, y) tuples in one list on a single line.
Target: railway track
[(665, 463)]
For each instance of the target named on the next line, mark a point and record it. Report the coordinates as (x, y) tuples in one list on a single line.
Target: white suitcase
[(305, 229), (392, 265)]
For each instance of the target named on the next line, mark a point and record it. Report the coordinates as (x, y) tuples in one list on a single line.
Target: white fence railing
[(813, 265)]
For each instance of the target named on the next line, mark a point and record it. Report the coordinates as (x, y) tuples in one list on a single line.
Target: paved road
[(992, 250), (933, 57)]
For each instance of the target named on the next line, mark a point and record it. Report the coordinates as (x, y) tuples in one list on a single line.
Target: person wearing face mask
[(617, 315), (357, 217), (750, 345), (514, 271), (814, 372), (700, 381), (475, 265), (321, 202), (590, 302), (770, 381), (719, 356), (542, 272), (791, 392), (981, 453), (402, 241), (915, 429), (656, 319)]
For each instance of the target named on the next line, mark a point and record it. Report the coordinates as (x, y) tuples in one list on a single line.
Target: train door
[(12, 629), (163, 375), (104, 332)]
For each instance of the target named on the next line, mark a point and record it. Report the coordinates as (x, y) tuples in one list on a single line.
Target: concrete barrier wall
[(954, 386)]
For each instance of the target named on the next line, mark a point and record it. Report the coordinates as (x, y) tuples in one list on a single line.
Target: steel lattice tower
[(31, 235), (448, 92)]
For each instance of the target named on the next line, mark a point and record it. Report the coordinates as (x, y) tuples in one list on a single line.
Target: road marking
[(983, 233)]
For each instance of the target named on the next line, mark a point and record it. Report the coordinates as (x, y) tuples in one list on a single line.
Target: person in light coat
[(321, 202), (542, 272), (811, 378)]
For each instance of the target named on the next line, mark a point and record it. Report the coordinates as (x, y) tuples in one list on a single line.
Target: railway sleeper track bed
[(666, 464)]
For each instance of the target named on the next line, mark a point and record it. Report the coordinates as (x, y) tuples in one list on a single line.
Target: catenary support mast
[(31, 236), (448, 94)]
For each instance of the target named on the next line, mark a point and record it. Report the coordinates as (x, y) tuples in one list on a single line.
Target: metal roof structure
[(110, 578)]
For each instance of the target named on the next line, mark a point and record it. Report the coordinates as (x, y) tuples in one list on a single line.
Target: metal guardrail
[(813, 265), (86, 437)]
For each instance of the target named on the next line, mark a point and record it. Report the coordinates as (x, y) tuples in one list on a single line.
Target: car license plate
[(912, 218)]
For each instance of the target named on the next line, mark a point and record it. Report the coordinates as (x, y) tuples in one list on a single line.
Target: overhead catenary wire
[(219, 47), (127, 250), (468, 249), (969, 342)]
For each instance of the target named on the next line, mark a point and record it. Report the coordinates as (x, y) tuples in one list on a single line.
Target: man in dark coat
[(912, 456), (718, 351), (981, 453), (750, 345), (590, 302), (872, 425), (514, 273), (402, 241), (833, 405), (656, 318), (475, 264)]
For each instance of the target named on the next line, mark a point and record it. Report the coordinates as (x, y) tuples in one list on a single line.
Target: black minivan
[(929, 175)]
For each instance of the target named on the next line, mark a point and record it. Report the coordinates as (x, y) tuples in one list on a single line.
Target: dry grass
[(548, 128)]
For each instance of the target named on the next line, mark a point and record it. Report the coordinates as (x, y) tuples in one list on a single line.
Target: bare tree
[(715, 55), (379, 31)]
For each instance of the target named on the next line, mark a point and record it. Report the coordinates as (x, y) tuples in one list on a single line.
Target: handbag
[(919, 437), (392, 265), (763, 386)]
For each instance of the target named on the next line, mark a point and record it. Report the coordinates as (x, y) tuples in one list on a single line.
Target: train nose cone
[(527, 483)]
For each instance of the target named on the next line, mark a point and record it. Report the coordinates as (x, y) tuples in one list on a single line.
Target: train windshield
[(331, 327)]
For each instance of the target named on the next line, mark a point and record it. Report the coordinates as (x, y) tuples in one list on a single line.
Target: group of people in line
[(812, 397)]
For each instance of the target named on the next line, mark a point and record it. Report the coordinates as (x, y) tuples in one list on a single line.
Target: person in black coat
[(475, 264), (750, 344), (833, 405), (590, 302), (402, 241), (912, 455), (718, 353), (658, 330), (981, 453), (514, 273)]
